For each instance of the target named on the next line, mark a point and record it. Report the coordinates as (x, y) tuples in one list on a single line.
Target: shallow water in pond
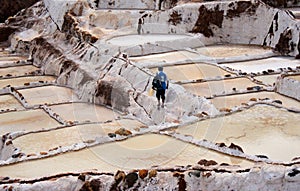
[(47, 140), (25, 121), (12, 58), (294, 77), (83, 112), (168, 57), (232, 50), (131, 40), (260, 130), (264, 64), (193, 72), (237, 100), (18, 70), (133, 153), (211, 88), (48, 94), (9, 102), (23, 80), (268, 80)]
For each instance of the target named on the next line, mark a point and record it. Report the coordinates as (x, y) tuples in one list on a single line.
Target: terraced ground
[(47, 131), (244, 134)]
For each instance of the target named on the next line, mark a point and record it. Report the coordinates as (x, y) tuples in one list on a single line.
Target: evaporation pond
[(193, 72), (134, 153), (132, 40), (48, 94), (260, 130)]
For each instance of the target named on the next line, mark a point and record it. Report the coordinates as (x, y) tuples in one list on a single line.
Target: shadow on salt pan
[(132, 40), (260, 130)]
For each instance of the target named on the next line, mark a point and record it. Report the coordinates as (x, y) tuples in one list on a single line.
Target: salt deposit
[(77, 110)]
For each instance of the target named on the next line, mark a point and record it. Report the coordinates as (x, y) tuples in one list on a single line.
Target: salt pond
[(12, 58), (48, 94), (211, 88), (220, 51), (47, 140), (9, 102), (238, 100), (256, 66), (296, 77), (25, 80), (193, 72), (268, 80), (125, 155), (260, 130), (132, 40), (26, 121), (168, 57), (18, 70), (82, 112)]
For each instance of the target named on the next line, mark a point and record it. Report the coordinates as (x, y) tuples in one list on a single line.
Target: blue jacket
[(162, 78)]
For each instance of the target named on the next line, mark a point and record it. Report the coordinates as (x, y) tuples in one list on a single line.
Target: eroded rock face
[(232, 22), (5, 32), (206, 19), (10, 8), (285, 44), (281, 3)]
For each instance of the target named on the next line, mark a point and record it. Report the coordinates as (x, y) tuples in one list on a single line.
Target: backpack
[(156, 84)]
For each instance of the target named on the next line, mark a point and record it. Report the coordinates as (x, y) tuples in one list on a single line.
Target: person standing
[(160, 84), (140, 23)]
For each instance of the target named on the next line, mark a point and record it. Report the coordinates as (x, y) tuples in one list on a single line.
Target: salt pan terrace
[(275, 64), (243, 99), (213, 88), (93, 142), (132, 40), (277, 128)]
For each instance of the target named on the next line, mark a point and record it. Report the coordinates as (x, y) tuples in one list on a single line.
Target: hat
[(160, 68)]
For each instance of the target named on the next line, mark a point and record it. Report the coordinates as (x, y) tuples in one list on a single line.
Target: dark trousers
[(160, 93)]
